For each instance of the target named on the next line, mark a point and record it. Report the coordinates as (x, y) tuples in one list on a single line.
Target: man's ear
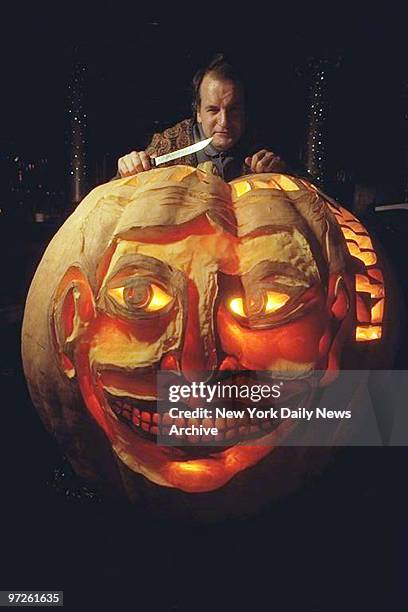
[(73, 308), (340, 306), (198, 115)]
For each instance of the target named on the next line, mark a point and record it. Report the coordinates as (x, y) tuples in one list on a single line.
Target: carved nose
[(198, 356)]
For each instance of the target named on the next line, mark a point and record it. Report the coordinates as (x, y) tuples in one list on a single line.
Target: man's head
[(219, 103)]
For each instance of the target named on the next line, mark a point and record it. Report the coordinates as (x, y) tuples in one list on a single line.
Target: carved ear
[(339, 305), (73, 308), (338, 301)]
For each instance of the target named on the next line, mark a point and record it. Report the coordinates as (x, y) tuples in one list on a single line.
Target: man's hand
[(134, 162), (265, 161)]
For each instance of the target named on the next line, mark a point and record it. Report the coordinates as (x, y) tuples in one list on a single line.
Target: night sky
[(139, 69)]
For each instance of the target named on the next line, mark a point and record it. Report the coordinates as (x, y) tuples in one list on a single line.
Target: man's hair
[(221, 68)]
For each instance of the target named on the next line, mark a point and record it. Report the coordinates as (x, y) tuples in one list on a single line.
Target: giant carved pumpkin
[(173, 269)]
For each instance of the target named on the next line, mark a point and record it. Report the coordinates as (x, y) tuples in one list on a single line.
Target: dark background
[(138, 71), (341, 542)]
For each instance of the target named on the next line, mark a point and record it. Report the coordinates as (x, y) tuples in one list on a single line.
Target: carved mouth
[(143, 419), (189, 463)]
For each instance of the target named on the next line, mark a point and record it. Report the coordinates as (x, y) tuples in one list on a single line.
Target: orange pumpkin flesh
[(175, 270)]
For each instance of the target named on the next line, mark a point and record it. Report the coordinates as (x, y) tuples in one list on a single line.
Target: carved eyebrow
[(265, 271), (128, 265)]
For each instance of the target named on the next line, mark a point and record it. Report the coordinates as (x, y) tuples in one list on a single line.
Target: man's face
[(221, 111)]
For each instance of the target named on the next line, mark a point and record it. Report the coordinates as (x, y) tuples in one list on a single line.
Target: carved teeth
[(230, 430), (166, 419)]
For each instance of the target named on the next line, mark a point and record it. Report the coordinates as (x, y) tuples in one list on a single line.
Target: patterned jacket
[(179, 136)]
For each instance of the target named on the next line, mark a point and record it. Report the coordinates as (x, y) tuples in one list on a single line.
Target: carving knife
[(198, 146)]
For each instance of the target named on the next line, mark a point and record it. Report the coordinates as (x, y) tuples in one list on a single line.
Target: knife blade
[(402, 206), (198, 146)]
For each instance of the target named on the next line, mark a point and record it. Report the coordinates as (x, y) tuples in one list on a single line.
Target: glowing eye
[(274, 301), (271, 303), (236, 305), (150, 298), (159, 299), (117, 294)]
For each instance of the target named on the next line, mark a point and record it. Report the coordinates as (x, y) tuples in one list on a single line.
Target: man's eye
[(149, 297), (269, 303)]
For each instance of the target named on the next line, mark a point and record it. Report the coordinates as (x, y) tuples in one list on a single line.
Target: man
[(219, 111)]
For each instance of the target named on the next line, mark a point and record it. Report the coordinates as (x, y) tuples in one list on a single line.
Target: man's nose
[(198, 356), (222, 118)]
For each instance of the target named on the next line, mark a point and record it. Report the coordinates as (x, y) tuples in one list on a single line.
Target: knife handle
[(152, 162)]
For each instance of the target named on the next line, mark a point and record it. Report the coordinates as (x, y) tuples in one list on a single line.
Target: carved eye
[(274, 301), (236, 305), (147, 297), (269, 303)]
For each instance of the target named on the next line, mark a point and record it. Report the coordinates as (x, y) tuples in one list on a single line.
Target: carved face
[(175, 270)]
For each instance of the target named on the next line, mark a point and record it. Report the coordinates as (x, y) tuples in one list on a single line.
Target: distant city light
[(316, 148), (78, 127)]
